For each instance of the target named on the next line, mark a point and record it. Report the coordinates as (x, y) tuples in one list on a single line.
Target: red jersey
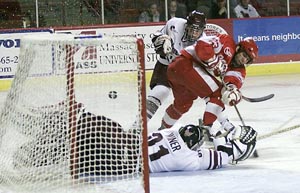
[(221, 46)]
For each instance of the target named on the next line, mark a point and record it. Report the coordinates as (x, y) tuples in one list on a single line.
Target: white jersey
[(242, 12), (175, 28), (168, 152)]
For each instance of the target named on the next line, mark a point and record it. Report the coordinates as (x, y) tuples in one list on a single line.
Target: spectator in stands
[(10, 14), (182, 8), (204, 6), (244, 9), (150, 15), (111, 10), (175, 11), (200, 5), (190, 5), (219, 10)]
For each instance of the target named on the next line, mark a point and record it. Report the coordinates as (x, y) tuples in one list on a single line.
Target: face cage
[(193, 143), (197, 145), (189, 31)]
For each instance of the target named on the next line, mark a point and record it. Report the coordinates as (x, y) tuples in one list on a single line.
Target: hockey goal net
[(67, 122)]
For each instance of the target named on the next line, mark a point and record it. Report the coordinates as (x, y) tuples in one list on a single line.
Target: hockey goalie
[(105, 149)]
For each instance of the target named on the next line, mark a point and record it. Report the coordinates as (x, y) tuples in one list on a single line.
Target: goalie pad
[(96, 136), (239, 143), (163, 44)]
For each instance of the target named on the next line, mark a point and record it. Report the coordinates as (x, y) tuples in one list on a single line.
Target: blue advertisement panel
[(274, 36), (10, 47)]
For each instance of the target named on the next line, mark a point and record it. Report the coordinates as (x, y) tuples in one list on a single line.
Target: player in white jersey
[(179, 149), (177, 34)]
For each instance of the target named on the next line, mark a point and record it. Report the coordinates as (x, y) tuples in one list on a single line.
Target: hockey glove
[(239, 143), (216, 65), (163, 44), (231, 95), (243, 143)]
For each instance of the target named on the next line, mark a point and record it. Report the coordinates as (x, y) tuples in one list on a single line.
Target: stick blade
[(258, 99)]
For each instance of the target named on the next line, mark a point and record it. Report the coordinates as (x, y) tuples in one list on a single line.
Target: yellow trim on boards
[(5, 85), (273, 69), (253, 70)]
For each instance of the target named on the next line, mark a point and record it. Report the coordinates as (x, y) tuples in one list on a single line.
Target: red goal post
[(71, 131)]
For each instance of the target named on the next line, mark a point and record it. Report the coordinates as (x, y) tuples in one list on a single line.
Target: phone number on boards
[(9, 60)]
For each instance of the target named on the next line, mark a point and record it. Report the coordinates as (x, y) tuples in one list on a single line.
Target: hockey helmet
[(192, 135), (195, 25), (248, 46)]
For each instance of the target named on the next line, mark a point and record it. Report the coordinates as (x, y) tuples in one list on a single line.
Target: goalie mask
[(192, 136), (195, 26)]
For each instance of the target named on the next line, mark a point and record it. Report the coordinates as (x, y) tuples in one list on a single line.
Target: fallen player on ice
[(106, 149)]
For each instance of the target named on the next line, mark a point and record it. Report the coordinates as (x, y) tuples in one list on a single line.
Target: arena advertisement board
[(143, 32), (99, 55), (9, 49), (278, 39), (274, 36)]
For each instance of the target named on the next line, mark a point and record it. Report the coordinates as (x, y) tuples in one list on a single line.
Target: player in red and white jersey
[(179, 149), (177, 34), (194, 74)]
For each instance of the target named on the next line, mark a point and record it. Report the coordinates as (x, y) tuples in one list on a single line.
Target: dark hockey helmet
[(192, 135), (249, 48), (195, 25)]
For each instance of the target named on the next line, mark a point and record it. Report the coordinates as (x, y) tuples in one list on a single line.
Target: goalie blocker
[(105, 149)]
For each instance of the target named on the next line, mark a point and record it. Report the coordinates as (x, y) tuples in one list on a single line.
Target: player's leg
[(183, 97), (104, 148), (160, 89), (45, 130)]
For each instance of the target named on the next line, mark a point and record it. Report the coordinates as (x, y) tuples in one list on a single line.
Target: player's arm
[(232, 82), (238, 144), (163, 44), (211, 159), (205, 53), (230, 147)]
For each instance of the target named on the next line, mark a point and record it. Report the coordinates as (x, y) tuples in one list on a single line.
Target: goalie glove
[(239, 143), (163, 44), (231, 95), (243, 143)]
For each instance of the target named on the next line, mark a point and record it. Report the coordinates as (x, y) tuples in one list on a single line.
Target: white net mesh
[(67, 121)]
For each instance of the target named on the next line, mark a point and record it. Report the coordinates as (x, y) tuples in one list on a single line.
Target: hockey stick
[(255, 154), (278, 132), (249, 99), (258, 99)]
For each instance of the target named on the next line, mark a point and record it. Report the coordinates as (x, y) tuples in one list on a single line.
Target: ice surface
[(276, 170)]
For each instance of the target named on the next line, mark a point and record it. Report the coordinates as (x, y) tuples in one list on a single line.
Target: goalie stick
[(278, 132), (280, 129)]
